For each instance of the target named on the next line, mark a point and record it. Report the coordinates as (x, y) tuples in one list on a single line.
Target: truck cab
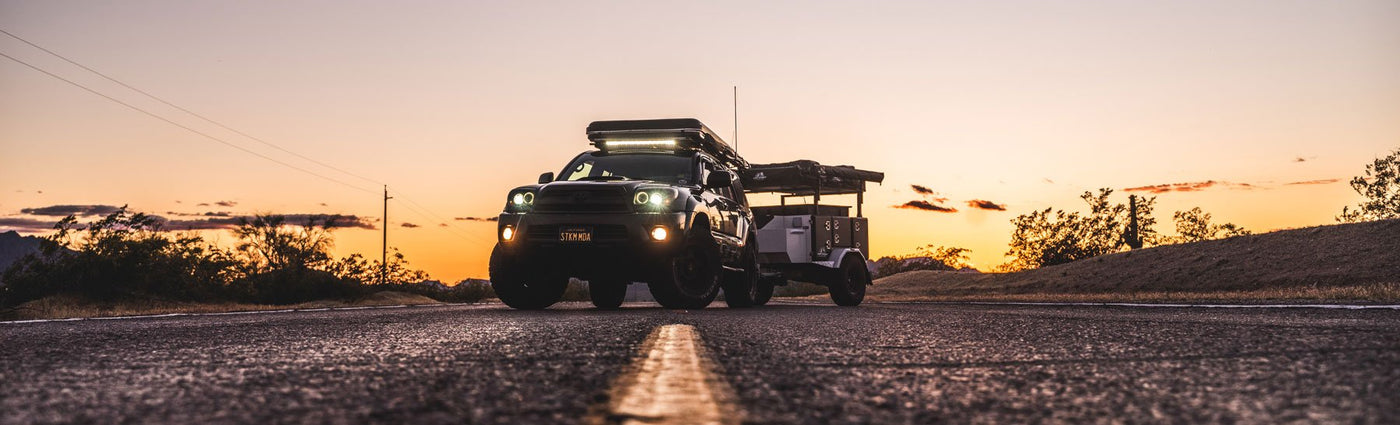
[(658, 202)]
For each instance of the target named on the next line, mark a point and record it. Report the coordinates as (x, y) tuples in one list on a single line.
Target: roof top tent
[(688, 133), (808, 178)]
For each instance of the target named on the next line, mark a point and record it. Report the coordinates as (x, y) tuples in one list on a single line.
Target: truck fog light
[(507, 233), (658, 233)]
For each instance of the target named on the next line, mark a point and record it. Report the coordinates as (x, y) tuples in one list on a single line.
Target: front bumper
[(622, 247)]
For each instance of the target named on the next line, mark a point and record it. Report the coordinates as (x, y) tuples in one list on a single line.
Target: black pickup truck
[(657, 201)]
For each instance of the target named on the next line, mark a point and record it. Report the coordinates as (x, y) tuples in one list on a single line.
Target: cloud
[(26, 225), (1047, 180), (1189, 187), (922, 190), (986, 205), (202, 204), (66, 210), (215, 221), (926, 206), (442, 224), (492, 218), (226, 204), (1309, 182), (1300, 159), (203, 214), (409, 225), (324, 204)]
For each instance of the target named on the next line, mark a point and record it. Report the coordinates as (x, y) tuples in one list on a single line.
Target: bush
[(122, 255), (296, 285), (929, 257), (127, 255), (1195, 226)]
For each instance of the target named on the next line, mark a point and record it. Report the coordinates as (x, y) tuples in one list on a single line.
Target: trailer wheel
[(524, 288), (692, 279), (607, 295), (741, 287), (848, 282)]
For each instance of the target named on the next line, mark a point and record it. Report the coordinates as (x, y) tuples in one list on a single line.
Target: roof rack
[(684, 133), (808, 178)]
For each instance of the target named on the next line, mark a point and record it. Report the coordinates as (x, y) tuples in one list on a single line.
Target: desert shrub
[(928, 257), (120, 255), (1380, 187), (576, 291), (357, 268), (268, 243), (800, 289), (1049, 237), (296, 285), (129, 255), (466, 291), (1194, 225)]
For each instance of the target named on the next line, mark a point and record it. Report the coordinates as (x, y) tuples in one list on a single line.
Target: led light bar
[(642, 144), (675, 134)]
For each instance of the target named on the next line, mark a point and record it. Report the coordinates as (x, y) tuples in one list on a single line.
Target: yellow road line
[(673, 382)]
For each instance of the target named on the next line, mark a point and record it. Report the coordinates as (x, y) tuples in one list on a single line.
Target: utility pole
[(384, 245)]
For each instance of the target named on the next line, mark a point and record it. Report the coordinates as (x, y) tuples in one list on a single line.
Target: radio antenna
[(736, 119)]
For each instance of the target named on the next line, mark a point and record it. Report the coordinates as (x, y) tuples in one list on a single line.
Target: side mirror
[(546, 177), (719, 179)]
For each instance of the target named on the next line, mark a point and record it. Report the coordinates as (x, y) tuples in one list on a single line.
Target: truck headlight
[(654, 199), (507, 233), (520, 201), (659, 233)]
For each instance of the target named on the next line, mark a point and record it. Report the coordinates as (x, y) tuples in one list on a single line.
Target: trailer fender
[(839, 254)]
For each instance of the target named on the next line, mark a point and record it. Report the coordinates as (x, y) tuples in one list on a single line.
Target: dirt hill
[(1347, 261)]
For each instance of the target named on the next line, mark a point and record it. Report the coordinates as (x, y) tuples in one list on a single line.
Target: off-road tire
[(524, 288), (741, 287), (607, 295), (692, 278), (764, 292), (847, 283)]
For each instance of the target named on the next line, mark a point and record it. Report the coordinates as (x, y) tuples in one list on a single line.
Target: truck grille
[(579, 199), (601, 233)]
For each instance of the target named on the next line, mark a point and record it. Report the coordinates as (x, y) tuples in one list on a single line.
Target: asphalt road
[(891, 363)]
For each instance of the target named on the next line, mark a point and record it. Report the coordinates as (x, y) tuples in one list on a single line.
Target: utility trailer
[(815, 243)]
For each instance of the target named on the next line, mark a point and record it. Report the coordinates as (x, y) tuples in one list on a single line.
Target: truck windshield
[(660, 167)]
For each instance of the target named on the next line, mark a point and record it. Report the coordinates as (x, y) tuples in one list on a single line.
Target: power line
[(422, 210), (187, 111), (415, 207), (168, 121)]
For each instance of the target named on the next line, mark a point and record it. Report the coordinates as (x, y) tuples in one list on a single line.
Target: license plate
[(576, 234)]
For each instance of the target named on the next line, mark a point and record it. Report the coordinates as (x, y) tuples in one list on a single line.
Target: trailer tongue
[(812, 242)]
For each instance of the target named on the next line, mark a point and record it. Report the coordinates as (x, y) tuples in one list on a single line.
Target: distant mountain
[(13, 247)]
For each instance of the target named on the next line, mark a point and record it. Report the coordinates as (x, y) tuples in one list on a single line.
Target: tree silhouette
[(1194, 226), (1049, 237), (1381, 189)]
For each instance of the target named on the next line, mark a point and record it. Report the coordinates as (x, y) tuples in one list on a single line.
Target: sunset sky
[(1256, 111)]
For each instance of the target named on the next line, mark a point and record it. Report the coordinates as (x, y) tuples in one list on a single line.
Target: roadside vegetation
[(126, 259), (1095, 256)]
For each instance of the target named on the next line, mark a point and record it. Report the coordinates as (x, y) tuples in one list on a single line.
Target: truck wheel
[(741, 287), (848, 283), (522, 288), (692, 279), (607, 295), (764, 293)]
